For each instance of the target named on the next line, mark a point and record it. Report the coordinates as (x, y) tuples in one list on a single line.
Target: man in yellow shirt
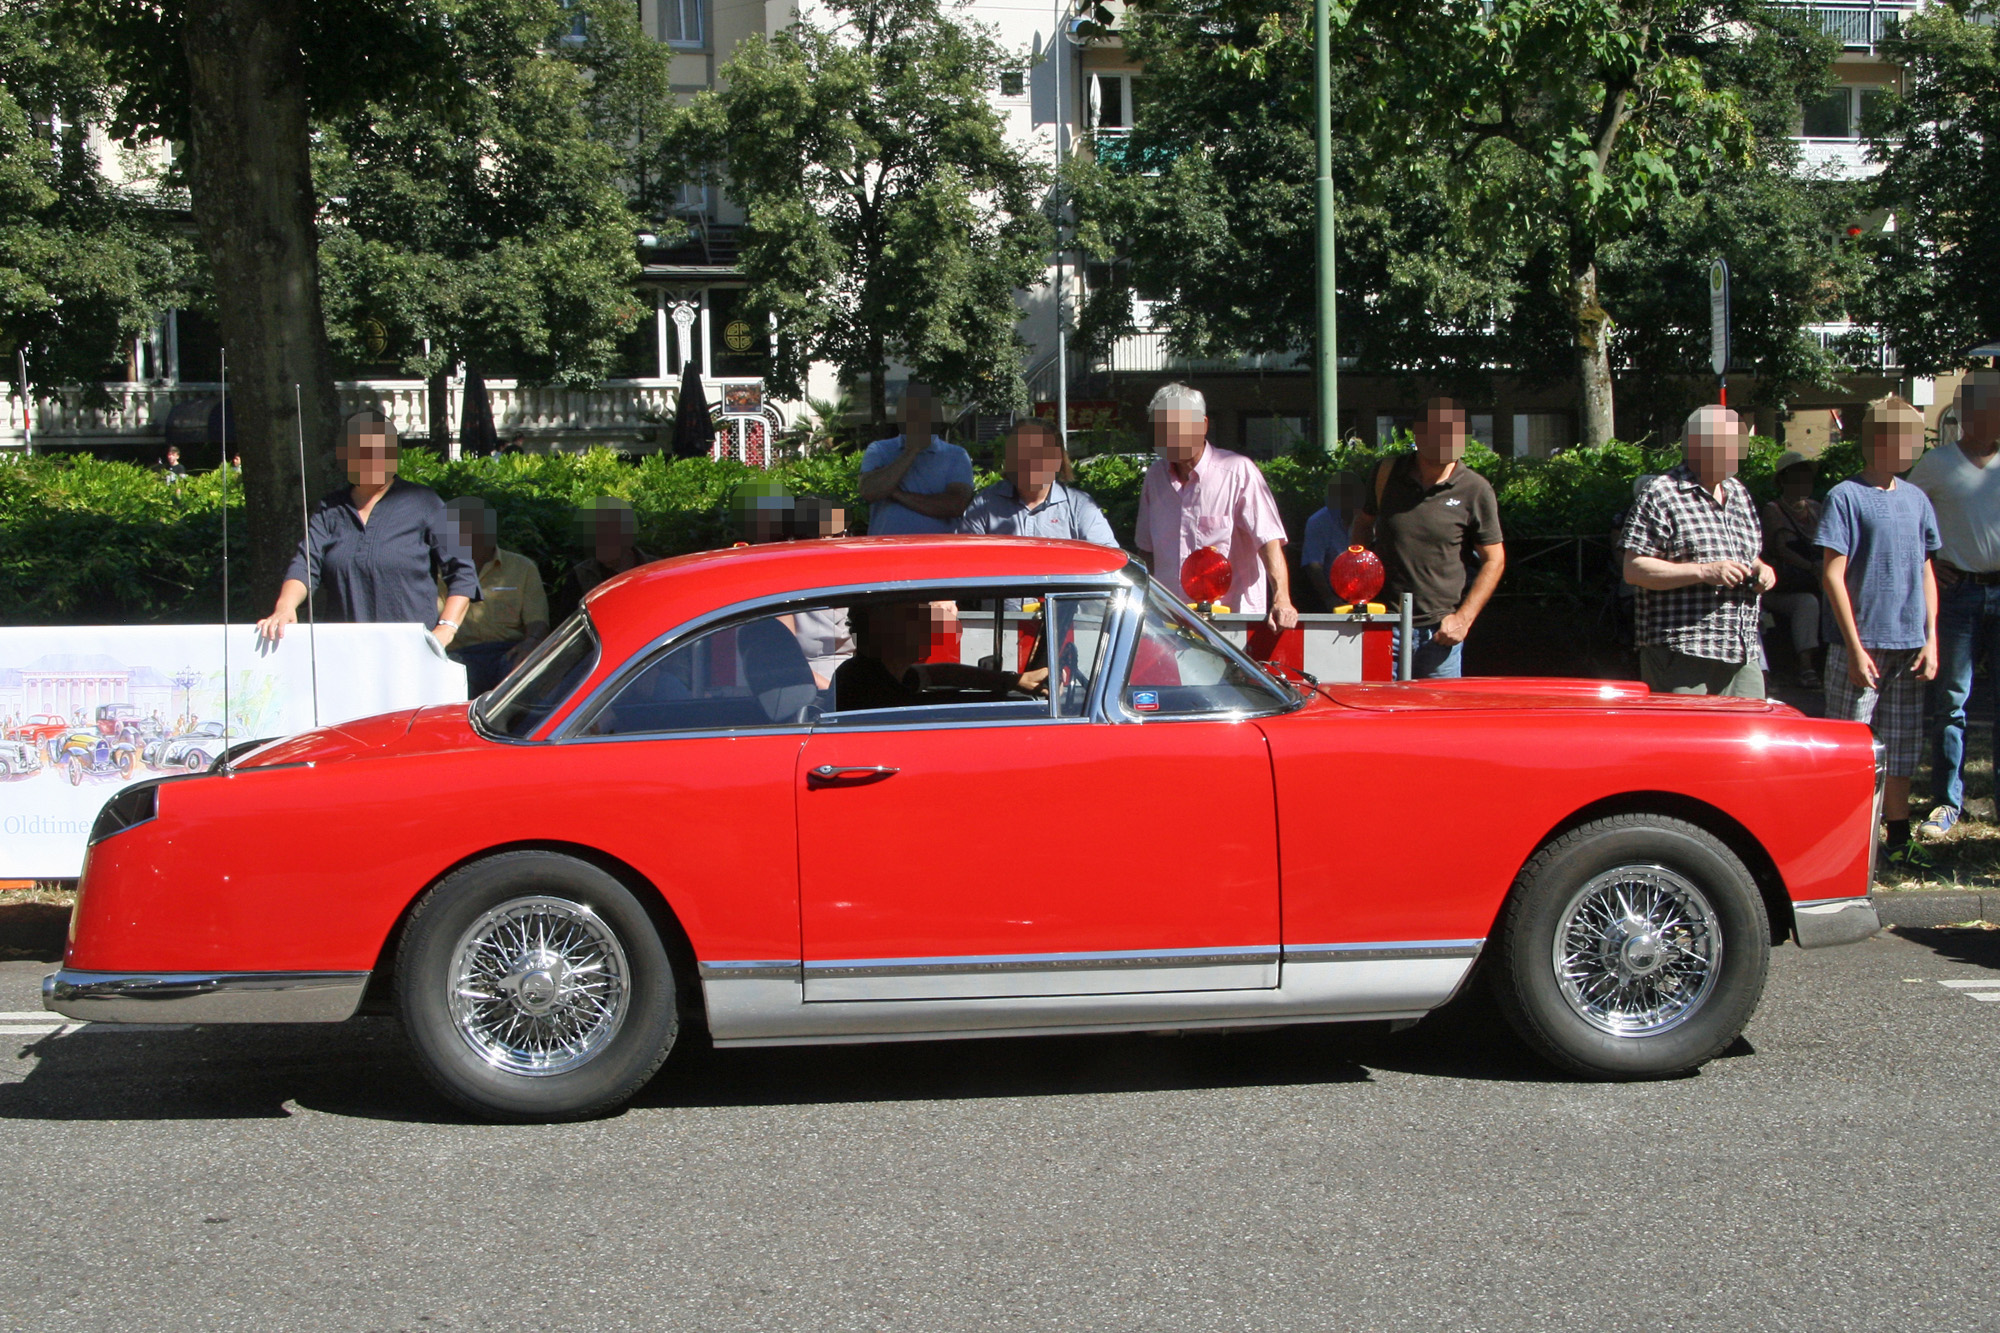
[(512, 613)]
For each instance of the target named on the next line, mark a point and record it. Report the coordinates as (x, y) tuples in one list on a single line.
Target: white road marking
[(1982, 983), (1981, 994), (33, 1016)]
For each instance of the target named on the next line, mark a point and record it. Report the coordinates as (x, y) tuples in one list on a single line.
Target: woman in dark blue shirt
[(376, 548)]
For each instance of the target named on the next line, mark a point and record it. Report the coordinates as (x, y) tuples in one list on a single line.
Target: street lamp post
[(1328, 371)]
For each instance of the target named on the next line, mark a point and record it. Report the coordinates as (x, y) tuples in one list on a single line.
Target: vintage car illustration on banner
[(193, 750), (89, 753), (670, 822)]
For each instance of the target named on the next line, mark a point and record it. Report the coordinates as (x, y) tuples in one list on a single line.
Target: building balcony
[(1857, 27), (1836, 159), (1862, 346)]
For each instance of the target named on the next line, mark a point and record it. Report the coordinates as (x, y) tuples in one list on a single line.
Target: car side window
[(748, 675), (1077, 626), (1179, 669)]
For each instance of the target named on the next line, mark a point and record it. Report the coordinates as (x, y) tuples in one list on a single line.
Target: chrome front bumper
[(1829, 921), (204, 997)]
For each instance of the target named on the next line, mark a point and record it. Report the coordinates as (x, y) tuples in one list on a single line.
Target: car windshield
[(519, 704)]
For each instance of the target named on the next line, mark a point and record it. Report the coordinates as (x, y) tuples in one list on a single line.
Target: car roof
[(637, 606)]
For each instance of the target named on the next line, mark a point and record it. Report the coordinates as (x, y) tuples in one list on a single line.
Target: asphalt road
[(1835, 1171)]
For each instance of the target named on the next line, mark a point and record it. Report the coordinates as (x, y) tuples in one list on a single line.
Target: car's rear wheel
[(1632, 947), (535, 986), (194, 761)]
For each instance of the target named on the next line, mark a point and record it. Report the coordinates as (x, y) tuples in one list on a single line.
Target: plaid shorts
[(1894, 709)]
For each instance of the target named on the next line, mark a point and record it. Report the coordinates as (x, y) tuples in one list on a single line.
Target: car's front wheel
[(1632, 947), (535, 986)]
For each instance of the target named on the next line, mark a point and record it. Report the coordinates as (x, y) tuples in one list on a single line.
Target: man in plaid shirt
[(1691, 549)]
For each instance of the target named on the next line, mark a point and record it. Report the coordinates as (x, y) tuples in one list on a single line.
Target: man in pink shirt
[(1197, 495)]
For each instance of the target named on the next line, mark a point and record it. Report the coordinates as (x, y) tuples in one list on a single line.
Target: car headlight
[(130, 807)]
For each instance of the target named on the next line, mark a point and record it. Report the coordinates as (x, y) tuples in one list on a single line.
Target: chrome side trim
[(1353, 953), (772, 1012), (1824, 922), (1041, 962), (762, 969), (204, 997)]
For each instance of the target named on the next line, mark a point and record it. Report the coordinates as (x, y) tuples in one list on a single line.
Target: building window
[(1110, 101), (682, 24), (1013, 84), (1269, 435), (1839, 114)]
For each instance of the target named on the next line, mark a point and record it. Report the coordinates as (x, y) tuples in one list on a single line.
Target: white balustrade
[(137, 413)]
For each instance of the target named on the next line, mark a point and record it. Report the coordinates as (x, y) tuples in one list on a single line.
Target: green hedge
[(84, 541)]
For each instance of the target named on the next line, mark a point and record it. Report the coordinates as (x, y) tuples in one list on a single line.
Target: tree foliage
[(85, 263), (1937, 287), (491, 226), (1534, 188), (887, 217)]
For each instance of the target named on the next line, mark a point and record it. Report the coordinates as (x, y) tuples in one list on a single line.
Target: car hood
[(1485, 693), (366, 735)]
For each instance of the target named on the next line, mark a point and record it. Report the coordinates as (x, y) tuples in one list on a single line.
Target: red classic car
[(40, 729), (664, 822)]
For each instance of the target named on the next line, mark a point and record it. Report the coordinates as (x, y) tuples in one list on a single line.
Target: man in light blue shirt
[(1327, 533), (1034, 500), (915, 482)]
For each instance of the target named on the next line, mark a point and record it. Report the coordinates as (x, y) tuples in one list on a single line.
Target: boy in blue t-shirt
[(1877, 536)]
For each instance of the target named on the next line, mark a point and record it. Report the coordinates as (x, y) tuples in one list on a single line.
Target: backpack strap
[(1382, 479)]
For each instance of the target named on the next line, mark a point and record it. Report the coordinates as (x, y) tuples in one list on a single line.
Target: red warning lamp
[(1356, 577), (1854, 231), (1206, 576)]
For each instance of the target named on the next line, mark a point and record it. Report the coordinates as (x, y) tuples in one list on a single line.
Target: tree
[(1206, 211), (492, 227), (1458, 249), (85, 263), (1937, 285), (238, 83), (1571, 122), (886, 215)]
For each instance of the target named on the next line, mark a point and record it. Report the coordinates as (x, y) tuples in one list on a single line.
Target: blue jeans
[(1968, 623), (1429, 659)]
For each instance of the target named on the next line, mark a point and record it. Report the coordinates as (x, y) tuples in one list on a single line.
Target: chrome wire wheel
[(1637, 951), (539, 986)]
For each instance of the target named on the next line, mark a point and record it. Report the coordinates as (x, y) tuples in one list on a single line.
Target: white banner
[(86, 709)]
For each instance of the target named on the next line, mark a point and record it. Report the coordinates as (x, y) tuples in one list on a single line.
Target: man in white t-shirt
[(1963, 483)]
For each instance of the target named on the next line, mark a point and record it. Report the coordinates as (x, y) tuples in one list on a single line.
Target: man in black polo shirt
[(1434, 521)]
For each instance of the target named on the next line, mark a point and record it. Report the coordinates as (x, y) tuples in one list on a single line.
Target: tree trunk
[(878, 388), (1593, 355), (438, 409), (250, 184)]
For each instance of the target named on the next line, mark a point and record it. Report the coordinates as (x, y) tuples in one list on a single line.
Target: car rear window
[(524, 700)]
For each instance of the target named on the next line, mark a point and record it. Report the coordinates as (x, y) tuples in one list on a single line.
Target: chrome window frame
[(778, 603), (1115, 710), (548, 647)]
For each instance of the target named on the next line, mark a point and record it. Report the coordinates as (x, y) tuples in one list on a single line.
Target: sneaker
[(1911, 856), (1809, 679), (1943, 819)]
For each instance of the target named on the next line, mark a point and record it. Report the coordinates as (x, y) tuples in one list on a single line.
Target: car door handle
[(830, 773)]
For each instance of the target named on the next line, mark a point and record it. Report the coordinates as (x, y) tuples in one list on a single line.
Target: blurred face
[(1714, 445), (1343, 494), (613, 532), (904, 631), (1795, 483), (1179, 434), (173, 455), (476, 527), (1441, 436), (1034, 458), (1892, 446), (919, 414), (1979, 408), (368, 456)]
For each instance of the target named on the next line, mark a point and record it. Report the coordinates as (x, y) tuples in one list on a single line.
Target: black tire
[(1524, 973), (633, 1049)]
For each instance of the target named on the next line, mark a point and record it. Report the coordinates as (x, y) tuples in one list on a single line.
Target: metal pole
[(1059, 49), (1325, 353), (1406, 648), (27, 404)]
